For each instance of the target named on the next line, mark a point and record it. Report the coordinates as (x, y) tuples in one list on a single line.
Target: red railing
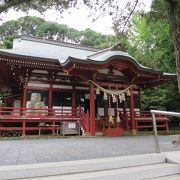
[(84, 121), (13, 112), (143, 120), (146, 114), (34, 119), (54, 116)]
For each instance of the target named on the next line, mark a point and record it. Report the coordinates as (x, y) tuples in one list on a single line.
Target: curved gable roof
[(107, 56), (67, 53)]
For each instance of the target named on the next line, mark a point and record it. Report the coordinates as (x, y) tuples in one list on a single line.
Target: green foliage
[(9, 28), (48, 29), (29, 24), (150, 42), (39, 5), (35, 26), (92, 38), (8, 42), (23, 26)]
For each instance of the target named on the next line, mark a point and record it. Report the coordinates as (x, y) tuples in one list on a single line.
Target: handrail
[(84, 120), (153, 112), (50, 112), (165, 113)]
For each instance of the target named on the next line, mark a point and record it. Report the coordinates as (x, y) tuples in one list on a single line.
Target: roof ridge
[(99, 52)]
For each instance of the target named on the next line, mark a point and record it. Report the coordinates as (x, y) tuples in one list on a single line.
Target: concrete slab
[(17, 152), (170, 177), (115, 167), (173, 157), (81, 166), (131, 173)]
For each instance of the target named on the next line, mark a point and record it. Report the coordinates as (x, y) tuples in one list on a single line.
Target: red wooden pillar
[(24, 127), (125, 116), (140, 101), (25, 93), (24, 106), (92, 110), (73, 101), (167, 126), (53, 127), (106, 105), (88, 121), (50, 98), (132, 115)]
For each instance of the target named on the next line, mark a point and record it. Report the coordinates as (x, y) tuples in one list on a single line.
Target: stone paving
[(14, 152)]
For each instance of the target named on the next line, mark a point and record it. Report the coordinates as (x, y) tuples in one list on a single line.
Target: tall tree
[(23, 26), (150, 42), (38, 27), (173, 7), (170, 9)]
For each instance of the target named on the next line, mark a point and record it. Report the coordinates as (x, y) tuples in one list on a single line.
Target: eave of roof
[(78, 54), (173, 75), (9, 53), (116, 55), (113, 58)]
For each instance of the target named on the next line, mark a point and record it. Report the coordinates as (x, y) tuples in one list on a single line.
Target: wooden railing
[(147, 114), (143, 120), (13, 113), (34, 119), (21, 117), (84, 121)]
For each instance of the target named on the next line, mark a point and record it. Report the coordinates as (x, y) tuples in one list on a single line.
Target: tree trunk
[(173, 7)]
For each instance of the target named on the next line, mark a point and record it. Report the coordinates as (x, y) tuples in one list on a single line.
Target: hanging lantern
[(120, 98), (128, 93), (109, 101), (123, 97), (114, 98), (118, 118), (110, 116), (105, 96), (117, 102), (111, 120), (97, 91)]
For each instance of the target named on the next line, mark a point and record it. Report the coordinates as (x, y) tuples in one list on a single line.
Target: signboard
[(87, 96), (71, 125)]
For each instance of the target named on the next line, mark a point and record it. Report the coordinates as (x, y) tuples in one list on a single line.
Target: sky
[(75, 18)]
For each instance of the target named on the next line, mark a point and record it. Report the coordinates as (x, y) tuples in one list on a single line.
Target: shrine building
[(65, 88)]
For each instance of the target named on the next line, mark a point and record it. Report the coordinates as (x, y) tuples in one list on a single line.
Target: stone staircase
[(148, 166)]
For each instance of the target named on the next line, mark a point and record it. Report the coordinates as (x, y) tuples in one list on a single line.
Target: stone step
[(131, 173), (81, 166), (99, 133), (171, 177)]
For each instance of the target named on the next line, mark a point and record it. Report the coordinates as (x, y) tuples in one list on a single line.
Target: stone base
[(134, 132)]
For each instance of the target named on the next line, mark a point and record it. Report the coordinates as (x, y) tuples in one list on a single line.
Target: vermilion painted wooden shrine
[(48, 84)]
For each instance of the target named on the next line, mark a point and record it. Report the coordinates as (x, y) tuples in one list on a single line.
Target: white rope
[(112, 92)]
